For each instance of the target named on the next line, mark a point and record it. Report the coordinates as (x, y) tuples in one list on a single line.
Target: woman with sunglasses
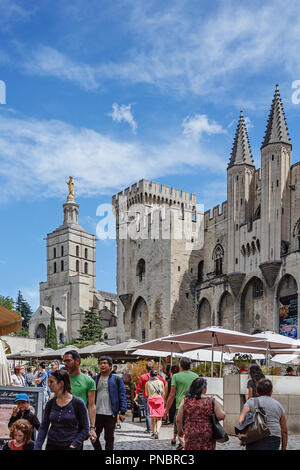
[(66, 414)]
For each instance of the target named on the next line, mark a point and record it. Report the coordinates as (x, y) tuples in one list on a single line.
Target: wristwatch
[(92, 427)]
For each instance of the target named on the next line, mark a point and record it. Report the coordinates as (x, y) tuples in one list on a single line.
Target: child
[(20, 433), (23, 411)]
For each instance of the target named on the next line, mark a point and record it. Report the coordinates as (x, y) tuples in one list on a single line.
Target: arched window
[(141, 269), (62, 265), (257, 213), (200, 271), (77, 265), (253, 248), (54, 267), (258, 288), (62, 251), (218, 255), (248, 249), (54, 252), (85, 268), (77, 250), (86, 253)]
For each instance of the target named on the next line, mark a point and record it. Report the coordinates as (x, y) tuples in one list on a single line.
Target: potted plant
[(242, 362)]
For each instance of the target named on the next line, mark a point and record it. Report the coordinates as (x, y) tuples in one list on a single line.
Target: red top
[(142, 383), (14, 447)]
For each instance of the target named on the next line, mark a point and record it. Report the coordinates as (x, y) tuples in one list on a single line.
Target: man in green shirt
[(180, 384), (82, 386)]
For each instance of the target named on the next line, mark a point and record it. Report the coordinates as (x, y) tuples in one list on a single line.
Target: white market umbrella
[(151, 353), (293, 359), (168, 345), (58, 353), (204, 355), (216, 337), (93, 348), (120, 351), (271, 340), (5, 376)]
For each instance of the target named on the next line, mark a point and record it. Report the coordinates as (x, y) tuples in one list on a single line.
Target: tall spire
[(241, 151), (277, 130)]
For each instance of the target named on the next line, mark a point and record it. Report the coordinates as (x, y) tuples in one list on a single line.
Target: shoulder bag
[(257, 428), (219, 433)]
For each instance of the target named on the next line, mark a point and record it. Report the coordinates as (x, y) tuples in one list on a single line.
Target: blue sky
[(115, 91)]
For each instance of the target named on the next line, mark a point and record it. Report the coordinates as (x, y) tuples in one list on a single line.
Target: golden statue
[(70, 184)]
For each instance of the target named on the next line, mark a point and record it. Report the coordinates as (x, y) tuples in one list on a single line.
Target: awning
[(10, 322)]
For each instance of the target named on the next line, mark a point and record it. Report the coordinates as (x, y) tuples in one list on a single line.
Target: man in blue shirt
[(42, 379), (110, 400)]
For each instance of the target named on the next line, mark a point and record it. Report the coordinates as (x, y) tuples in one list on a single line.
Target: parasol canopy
[(10, 322), (271, 340), (168, 345), (92, 349), (5, 376)]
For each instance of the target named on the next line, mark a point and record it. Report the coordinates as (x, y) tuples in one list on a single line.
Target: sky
[(111, 92)]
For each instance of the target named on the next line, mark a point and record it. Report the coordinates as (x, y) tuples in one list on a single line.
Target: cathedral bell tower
[(275, 193), (240, 178)]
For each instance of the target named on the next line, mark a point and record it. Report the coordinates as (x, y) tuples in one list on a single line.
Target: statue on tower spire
[(70, 184)]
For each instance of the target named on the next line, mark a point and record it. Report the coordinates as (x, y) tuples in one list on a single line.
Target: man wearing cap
[(22, 411)]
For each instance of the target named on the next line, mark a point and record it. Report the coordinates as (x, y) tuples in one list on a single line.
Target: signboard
[(7, 403), (288, 316)]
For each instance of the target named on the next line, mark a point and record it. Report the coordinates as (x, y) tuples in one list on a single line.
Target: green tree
[(91, 329), (7, 302), (51, 333), (25, 310)]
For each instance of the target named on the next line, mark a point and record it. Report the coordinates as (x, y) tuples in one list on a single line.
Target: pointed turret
[(241, 151), (277, 131)]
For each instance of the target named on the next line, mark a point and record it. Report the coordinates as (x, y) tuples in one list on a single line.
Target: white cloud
[(123, 113), (185, 47), (46, 61), (38, 156), (199, 124)]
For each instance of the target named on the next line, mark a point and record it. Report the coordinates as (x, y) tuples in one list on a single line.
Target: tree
[(25, 310), (51, 333), (7, 302), (91, 329)]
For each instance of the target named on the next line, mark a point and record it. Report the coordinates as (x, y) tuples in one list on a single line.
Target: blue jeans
[(145, 403)]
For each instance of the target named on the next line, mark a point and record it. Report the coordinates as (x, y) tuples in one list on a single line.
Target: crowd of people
[(79, 406)]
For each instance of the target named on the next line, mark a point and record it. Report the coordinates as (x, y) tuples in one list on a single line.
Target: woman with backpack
[(155, 392), (66, 414)]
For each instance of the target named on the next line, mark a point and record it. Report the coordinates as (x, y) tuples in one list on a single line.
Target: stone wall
[(18, 343), (286, 390)]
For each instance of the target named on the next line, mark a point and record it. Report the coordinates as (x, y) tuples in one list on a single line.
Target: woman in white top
[(155, 391), (17, 377)]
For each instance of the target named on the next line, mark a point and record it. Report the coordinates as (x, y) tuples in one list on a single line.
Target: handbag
[(219, 433), (257, 428)]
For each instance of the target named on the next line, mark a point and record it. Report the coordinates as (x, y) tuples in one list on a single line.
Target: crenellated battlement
[(149, 193), (218, 214)]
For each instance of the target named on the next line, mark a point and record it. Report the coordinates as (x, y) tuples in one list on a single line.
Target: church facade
[(237, 265), (71, 281)]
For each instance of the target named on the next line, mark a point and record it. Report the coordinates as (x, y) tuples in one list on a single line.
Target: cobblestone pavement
[(131, 437)]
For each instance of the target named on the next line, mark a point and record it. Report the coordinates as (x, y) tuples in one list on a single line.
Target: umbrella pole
[(220, 373), (171, 359), (159, 367), (212, 356)]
